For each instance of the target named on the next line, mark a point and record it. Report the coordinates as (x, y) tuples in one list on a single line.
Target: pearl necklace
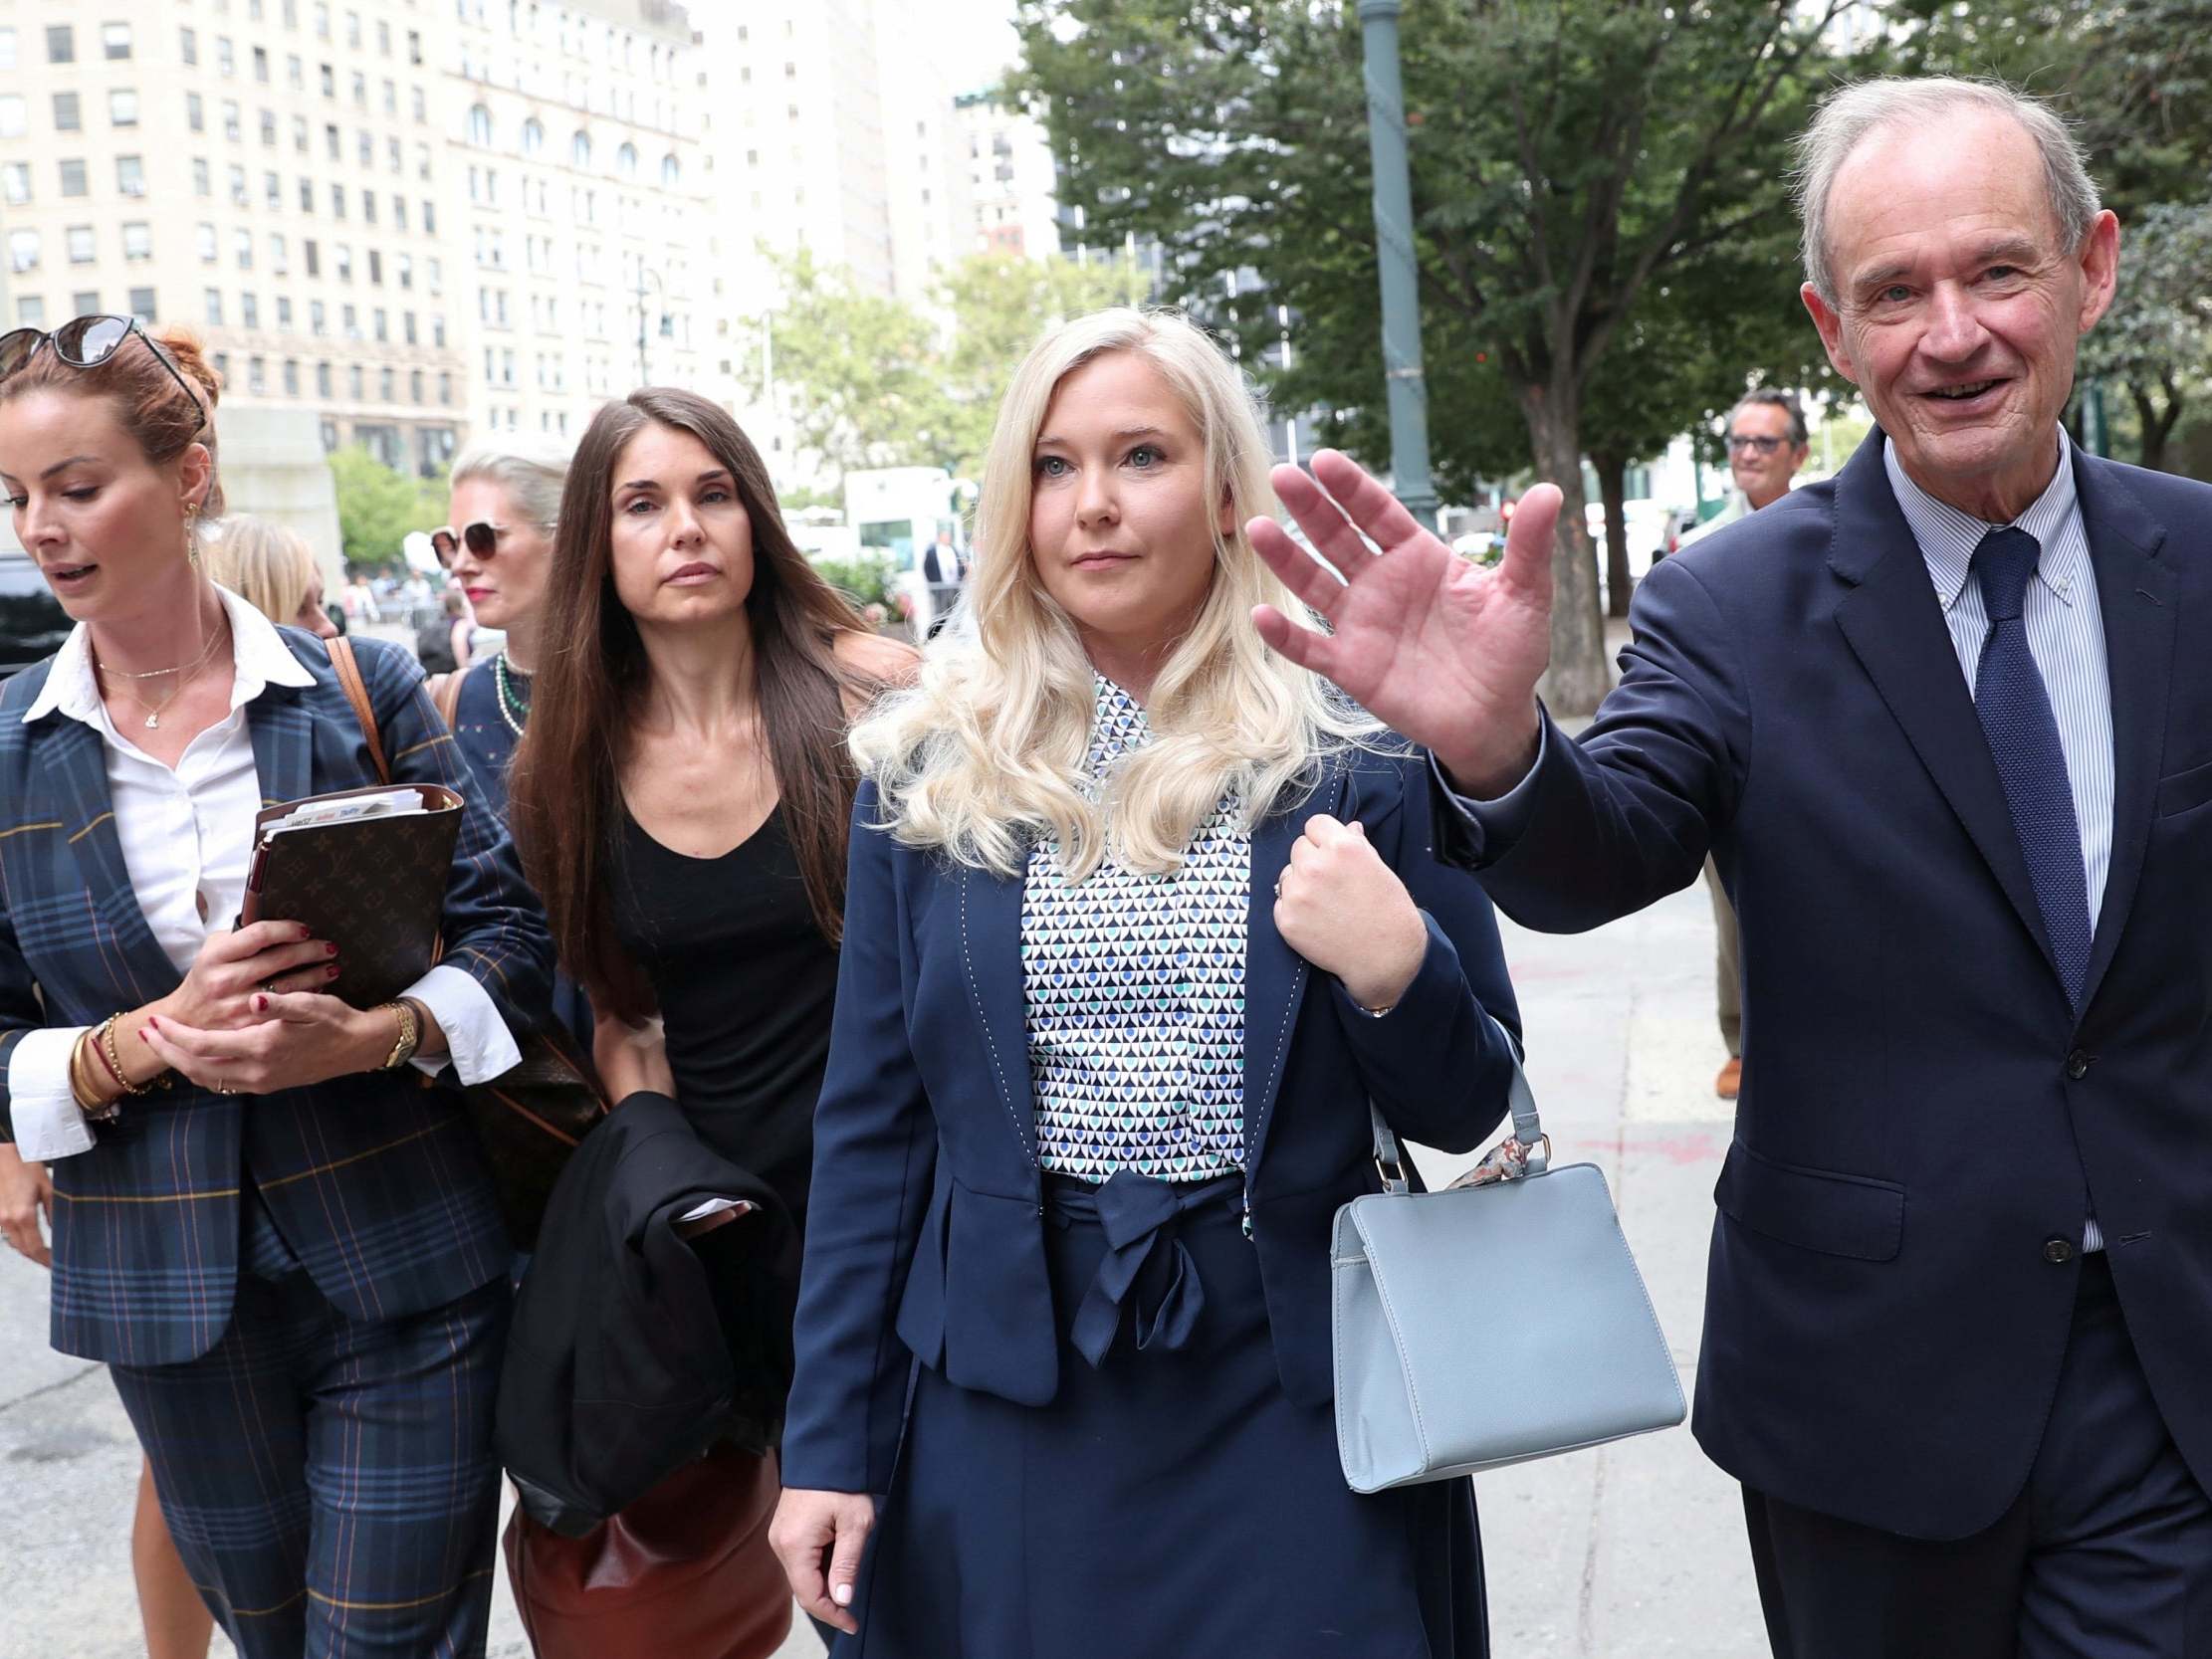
[(513, 709)]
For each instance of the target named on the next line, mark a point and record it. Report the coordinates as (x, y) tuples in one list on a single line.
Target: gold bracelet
[(114, 1056), (409, 1038), (83, 1088)]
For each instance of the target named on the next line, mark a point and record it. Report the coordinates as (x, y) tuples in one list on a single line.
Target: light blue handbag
[(1499, 1319)]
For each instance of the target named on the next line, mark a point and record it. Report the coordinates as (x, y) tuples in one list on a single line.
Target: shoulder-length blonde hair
[(983, 755), (269, 566)]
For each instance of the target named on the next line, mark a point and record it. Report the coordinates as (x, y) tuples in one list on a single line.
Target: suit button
[(2077, 1065), (2058, 1250)]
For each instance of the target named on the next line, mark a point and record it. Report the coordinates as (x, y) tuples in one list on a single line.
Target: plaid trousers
[(331, 1481)]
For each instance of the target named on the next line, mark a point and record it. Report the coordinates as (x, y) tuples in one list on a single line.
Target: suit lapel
[(283, 737), (991, 951), (1895, 626), (1274, 974), (2134, 593), (71, 763)]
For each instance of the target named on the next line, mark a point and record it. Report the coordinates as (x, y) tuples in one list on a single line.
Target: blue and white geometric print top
[(1135, 992)]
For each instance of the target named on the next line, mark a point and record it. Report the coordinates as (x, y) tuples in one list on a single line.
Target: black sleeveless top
[(746, 985)]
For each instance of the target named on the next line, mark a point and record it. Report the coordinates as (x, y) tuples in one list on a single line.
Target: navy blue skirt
[(1171, 1499)]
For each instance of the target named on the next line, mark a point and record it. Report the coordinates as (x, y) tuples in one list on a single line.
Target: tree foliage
[(377, 506), (1585, 174)]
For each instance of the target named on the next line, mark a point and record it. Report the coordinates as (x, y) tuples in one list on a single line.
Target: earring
[(192, 536)]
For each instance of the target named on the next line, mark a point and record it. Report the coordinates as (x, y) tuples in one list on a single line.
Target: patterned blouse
[(1135, 992)]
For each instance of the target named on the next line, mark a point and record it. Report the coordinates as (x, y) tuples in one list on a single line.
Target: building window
[(361, 90), (60, 44), (379, 324), (295, 72), (249, 311), (625, 160), (480, 125), (364, 148), (130, 175), (280, 257), (65, 116), (232, 129), (318, 318), (272, 193), (261, 65), (269, 130), (142, 304), (30, 311), (292, 377), (315, 260), (214, 298), (137, 240), (327, 77), (322, 380), (342, 258), (237, 179), (407, 328), (7, 49), (256, 378), (226, 57), (376, 268), (283, 310), (84, 302), (195, 113), (414, 385), (330, 140), (114, 39), (15, 179), (383, 385), (11, 116), (307, 195), (337, 201), (534, 137), (672, 172), (399, 211), (73, 177), (349, 321), (203, 178), (354, 382), (78, 239), (579, 150), (417, 105), (23, 250), (122, 107), (242, 249)]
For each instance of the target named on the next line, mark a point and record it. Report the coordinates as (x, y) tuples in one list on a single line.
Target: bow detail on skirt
[(1146, 1270)]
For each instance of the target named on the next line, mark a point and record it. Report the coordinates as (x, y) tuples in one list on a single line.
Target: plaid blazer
[(376, 1181)]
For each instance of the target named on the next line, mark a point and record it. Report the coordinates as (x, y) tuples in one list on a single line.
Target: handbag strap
[(356, 693), (1528, 1129)]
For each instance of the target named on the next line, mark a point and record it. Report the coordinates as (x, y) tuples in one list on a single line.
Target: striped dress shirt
[(2066, 635)]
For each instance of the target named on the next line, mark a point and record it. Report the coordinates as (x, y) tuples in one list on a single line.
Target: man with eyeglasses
[(1766, 447)]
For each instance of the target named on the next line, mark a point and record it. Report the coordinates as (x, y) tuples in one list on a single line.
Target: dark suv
[(32, 621)]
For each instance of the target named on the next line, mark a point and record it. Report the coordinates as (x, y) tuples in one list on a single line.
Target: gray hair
[(531, 472), (1849, 117), (1784, 401)]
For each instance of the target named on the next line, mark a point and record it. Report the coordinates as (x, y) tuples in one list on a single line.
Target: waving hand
[(1444, 652)]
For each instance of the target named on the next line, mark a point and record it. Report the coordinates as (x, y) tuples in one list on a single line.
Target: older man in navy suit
[(1945, 724)]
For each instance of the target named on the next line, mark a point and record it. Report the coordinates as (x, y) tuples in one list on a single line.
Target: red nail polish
[(330, 972), (307, 932), (142, 1033), (261, 1004), (330, 950)]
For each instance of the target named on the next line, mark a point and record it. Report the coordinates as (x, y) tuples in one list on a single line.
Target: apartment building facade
[(311, 183)]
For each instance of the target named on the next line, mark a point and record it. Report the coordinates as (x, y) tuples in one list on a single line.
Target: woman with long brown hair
[(682, 792)]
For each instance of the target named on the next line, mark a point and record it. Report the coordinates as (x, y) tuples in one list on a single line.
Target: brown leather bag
[(684, 1572), (529, 1118)]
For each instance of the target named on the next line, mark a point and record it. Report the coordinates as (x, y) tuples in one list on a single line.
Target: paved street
[(1633, 1551)]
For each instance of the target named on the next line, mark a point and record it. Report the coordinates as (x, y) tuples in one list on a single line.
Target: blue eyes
[(712, 498), (1143, 458)]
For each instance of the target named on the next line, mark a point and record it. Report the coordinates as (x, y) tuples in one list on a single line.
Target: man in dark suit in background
[(1945, 721)]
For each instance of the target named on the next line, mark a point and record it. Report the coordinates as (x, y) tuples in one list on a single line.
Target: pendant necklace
[(514, 706), (184, 672)]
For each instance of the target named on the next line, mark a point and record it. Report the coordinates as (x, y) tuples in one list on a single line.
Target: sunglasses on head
[(87, 343)]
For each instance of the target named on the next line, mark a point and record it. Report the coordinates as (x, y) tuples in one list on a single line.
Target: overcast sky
[(981, 33)]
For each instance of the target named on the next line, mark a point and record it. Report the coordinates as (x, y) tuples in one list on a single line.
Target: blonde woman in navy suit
[(1137, 924), (286, 1248)]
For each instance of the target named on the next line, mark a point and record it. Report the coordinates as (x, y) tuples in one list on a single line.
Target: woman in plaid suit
[(283, 1244)]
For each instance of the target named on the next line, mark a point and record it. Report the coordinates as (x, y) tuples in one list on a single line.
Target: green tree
[(377, 508), (2156, 340), (1000, 303), (1568, 156), (858, 373)]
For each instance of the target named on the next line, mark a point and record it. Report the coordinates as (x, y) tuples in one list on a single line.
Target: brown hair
[(567, 780), (146, 396)]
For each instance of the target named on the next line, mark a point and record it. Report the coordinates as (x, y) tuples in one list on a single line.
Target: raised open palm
[(1443, 651)]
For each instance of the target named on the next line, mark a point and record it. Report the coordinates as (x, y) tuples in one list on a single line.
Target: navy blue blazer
[(925, 1236), (375, 1181), (1924, 1122)]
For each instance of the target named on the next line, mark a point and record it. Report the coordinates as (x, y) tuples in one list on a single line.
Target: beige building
[(264, 169), (411, 219), (584, 198)]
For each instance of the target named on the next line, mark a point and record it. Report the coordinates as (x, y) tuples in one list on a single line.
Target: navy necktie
[(2023, 734)]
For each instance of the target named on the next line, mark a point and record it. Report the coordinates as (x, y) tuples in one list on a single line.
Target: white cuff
[(478, 1042), (42, 1107)]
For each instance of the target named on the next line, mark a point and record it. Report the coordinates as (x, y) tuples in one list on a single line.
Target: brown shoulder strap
[(356, 693), (445, 695)]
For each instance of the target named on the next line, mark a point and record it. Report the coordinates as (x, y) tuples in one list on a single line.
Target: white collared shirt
[(187, 836)]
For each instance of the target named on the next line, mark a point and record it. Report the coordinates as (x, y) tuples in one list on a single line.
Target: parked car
[(32, 621)]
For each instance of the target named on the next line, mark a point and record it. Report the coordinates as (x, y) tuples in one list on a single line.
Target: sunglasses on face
[(480, 538), (87, 343), (1737, 444)]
